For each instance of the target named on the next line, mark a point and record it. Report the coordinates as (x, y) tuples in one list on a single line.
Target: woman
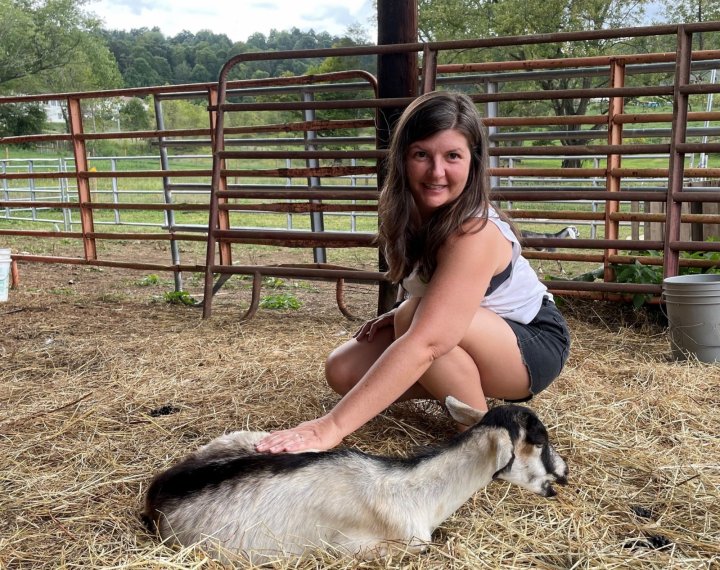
[(477, 321)]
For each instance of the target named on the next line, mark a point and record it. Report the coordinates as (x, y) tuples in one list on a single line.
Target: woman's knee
[(338, 372), (348, 363)]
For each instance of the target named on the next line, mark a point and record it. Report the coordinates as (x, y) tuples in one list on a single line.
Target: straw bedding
[(102, 384)]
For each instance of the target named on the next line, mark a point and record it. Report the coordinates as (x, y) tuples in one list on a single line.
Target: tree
[(92, 68), (18, 119), (460, 19), (692, 11), (134, 115), (39, 36), (141, 73)]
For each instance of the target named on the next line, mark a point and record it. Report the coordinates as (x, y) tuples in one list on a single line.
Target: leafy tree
[(692, 11), (92, 68), (199, 73), (42, 36), (181, 114), (354, 37), (460, 19), (18, 119), (182, 73), (141, 73), (146, 57), (134, 115)]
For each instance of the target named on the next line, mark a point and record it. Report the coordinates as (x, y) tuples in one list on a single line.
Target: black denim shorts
[(544, 344)]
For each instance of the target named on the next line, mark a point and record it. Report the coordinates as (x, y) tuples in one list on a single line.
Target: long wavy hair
[(407, 241)]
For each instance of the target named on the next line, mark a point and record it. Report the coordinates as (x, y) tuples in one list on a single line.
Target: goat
[(569, 232), (235, 502)]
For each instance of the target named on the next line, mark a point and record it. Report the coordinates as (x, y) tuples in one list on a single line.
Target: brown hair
[(405, 240)]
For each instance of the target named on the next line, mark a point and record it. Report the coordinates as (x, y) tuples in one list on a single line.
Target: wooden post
[(397, 77)]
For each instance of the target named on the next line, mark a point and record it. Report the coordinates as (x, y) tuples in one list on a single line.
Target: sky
[(238, 19)]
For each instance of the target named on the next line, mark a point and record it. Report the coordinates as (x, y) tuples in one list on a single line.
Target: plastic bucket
[(693, 310), (687, 284), (4, 274)]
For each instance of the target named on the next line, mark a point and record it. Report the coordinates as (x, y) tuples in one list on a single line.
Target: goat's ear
[(504, 453), (462, 413)]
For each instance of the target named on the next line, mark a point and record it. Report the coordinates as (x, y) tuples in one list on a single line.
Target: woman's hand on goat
[(368, 330), (313, 435)]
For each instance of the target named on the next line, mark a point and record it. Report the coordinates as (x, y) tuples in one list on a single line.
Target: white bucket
[(4, 274), (693, 310)]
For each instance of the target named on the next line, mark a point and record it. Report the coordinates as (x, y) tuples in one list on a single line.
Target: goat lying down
[(235, 502)]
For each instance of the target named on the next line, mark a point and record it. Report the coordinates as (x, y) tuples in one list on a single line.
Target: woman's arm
[(464, 269)]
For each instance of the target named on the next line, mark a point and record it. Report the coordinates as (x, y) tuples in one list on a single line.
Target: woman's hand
[(314, 435), (368, 330)]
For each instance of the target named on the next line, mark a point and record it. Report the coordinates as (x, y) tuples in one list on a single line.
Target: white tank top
[(518, 298)]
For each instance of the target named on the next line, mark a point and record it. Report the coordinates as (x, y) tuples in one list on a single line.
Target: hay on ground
[(102, 384)]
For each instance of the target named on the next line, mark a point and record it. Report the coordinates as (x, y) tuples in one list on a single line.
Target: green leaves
[(640, 273), (179, 298), (282, 301)]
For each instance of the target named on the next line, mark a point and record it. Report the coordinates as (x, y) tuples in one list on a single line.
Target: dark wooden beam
[(397, 77)]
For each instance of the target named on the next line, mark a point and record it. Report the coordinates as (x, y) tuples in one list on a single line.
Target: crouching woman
[(475, 321)]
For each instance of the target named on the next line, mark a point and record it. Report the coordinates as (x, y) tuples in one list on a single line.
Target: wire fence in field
[(119, 190)]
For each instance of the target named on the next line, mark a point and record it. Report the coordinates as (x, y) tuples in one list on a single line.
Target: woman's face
[(437, 169)]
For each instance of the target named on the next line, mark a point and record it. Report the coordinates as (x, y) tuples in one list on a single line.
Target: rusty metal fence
[(642, 180)]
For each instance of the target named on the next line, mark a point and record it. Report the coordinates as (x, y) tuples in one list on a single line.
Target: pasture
[(103, 383)]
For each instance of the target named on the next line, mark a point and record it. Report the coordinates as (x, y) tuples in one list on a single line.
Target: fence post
[(491, 113), (673, 210), (397, 77), (167, 192), (615, 107), (81, 176), (317, 224), (64, 197)]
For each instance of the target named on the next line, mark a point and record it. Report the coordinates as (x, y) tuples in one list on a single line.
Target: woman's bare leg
[(486, 363), (349, 362)]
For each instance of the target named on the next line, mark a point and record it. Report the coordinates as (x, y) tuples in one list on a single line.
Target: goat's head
[(532, 462), (572, 232)]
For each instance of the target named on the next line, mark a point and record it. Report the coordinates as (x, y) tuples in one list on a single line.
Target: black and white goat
[(569, 232), (235, 502)]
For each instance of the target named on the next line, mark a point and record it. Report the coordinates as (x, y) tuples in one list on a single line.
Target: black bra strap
[(499, 279)]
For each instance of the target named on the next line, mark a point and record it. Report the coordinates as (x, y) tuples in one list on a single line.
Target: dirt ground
[(103, 382)]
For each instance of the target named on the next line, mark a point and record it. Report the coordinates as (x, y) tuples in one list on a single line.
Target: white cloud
[(236, 19)]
